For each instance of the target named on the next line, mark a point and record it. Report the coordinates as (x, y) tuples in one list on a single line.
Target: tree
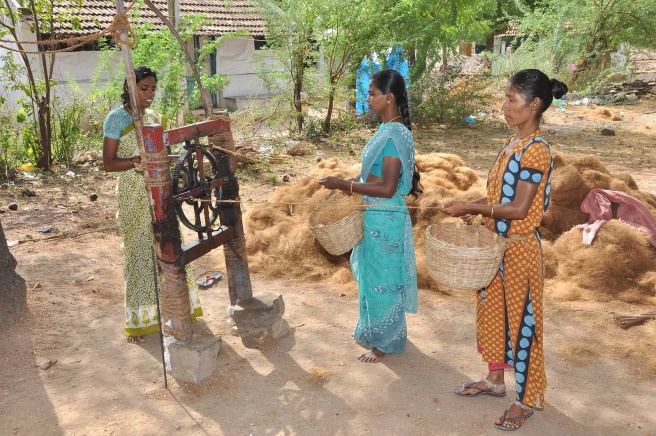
[(13, 299), (586, 32), (37, 68), (429, 29), (346, 37), (290, 34)]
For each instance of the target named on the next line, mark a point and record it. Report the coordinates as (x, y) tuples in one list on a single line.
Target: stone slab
[(194, 361)]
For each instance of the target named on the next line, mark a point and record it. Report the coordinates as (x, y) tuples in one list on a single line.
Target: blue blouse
[(388, 150)]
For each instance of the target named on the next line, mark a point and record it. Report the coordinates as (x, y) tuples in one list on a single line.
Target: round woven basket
[(341, 236), (463, 257)]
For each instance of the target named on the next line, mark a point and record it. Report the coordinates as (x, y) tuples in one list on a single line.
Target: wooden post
[(173, 289), (130, 77), (236, 259)]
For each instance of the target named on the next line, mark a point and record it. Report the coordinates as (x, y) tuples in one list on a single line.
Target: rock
[(260, 318), (608, 130), (93, 196), (2, 211), (47, 364), (13, 206), (26, 193)]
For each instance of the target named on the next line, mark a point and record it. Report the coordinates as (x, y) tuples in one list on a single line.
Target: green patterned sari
[(135, 223)]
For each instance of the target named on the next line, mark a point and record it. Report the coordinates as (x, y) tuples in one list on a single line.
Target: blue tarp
[(395, 61)]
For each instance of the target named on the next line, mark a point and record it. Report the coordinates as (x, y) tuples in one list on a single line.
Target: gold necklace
[(398, 116)]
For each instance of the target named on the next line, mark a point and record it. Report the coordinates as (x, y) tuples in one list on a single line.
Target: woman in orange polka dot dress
[(509, 309)]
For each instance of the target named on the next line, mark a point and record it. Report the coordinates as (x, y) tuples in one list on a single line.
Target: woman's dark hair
[(140, 73), (533, 83), (392, 81)]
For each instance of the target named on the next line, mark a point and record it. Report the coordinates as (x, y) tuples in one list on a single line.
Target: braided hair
[(140, 73), (392, 81)]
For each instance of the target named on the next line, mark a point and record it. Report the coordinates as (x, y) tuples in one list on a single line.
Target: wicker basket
[(341, 236), (463, 257)]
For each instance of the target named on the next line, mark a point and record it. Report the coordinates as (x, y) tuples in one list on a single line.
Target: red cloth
[(493, 366), (598, 203)]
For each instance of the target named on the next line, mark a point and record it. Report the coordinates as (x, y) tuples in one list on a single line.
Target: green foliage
[(291, 28), (448, 98), (583, 34), (12, 154), (67, 131), (430, 29)]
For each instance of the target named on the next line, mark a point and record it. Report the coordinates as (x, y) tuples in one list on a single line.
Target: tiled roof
[(511, 31), (225, 15)]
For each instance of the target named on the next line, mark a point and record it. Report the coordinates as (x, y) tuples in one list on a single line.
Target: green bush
[(448, 98), (67, 131)]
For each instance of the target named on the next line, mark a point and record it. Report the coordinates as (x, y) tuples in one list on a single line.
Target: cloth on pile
[(599, 204)]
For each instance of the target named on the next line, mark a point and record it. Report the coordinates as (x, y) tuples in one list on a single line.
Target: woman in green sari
[(383, 262), (120, 153)]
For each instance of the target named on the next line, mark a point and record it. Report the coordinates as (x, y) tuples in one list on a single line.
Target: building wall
[(238, 59), (74, 70)]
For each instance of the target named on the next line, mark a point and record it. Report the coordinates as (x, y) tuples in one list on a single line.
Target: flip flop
[(458, 390), (506, 418), (208, 279)]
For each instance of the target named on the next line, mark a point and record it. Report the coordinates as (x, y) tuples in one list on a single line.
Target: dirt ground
[(310, 381)]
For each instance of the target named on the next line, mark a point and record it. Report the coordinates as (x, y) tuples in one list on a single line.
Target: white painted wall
[(237, 59), (24, 34)]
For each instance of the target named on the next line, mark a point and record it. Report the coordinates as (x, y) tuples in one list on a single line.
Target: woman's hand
[(332, 182), (468, 219), (136, 161), (456, 208)]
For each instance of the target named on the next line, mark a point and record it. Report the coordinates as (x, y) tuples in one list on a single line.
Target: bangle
[(492, 211), (352, 186), (132, 161)]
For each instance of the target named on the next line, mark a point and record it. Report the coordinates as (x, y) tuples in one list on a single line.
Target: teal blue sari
[(383, 262)]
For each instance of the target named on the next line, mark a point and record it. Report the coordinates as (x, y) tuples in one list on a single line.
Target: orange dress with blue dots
[(509, 310)]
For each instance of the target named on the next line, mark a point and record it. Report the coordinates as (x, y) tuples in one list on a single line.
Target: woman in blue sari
[(383, 262)]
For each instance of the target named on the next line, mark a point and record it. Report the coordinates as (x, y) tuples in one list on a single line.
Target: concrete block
[(195, 360), (264, 309), (260, 318)]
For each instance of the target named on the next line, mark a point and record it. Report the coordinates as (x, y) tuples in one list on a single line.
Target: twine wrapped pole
[(126, 50)]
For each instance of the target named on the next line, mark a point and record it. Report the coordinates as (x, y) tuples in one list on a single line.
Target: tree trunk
[(329, 114), (45, 138), (13, 292), (298, 103)]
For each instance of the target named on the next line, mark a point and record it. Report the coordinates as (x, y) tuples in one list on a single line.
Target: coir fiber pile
[(618, 265)]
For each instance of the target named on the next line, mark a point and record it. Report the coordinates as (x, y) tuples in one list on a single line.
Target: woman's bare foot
[(135, 339), (371, 356)]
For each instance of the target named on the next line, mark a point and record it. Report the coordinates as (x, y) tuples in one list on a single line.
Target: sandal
[(458, 390), (514, 427)]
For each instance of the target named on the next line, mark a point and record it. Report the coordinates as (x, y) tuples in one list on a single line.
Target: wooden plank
[(197, 130)]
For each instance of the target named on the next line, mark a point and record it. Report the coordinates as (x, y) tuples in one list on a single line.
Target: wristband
[(352, 186), (132, 161), (492, 211)]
